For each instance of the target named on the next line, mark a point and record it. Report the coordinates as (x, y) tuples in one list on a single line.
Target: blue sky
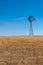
[(14, 17)]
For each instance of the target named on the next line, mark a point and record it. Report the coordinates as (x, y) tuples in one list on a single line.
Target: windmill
[(31, 19)]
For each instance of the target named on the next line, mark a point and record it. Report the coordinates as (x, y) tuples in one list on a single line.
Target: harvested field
[(21, 50)]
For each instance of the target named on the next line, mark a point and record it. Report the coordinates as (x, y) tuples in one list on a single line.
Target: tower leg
[(31, 29)]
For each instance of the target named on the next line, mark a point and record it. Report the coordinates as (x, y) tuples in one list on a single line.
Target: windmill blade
[(21, 18)]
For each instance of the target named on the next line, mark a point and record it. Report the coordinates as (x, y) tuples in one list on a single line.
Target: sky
[(14, 17)]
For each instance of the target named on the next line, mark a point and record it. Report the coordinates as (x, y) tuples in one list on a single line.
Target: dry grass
[(22, 50)]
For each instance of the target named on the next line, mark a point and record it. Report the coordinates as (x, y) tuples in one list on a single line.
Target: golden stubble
[(21, 50)]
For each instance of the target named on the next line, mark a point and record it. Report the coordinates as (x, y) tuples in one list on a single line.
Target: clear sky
[(14, 17)]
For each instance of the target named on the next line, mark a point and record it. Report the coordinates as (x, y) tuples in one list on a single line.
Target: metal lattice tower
[(31, 19)]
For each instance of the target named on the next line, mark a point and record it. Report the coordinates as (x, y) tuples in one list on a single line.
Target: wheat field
[(21, 50)]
